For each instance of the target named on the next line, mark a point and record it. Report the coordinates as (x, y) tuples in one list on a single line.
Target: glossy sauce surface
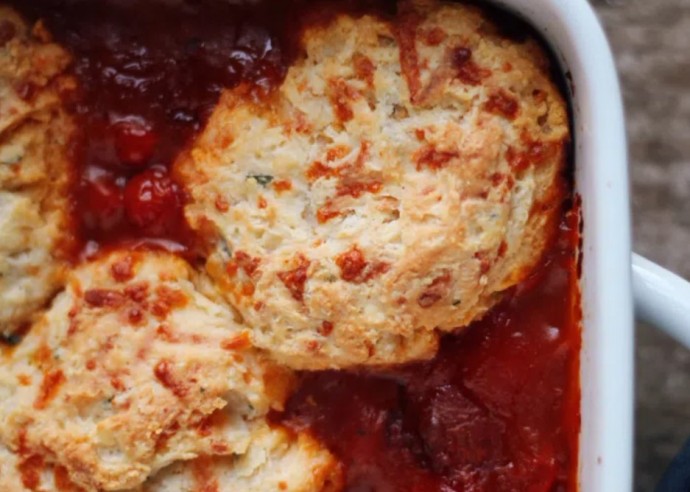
[(150, 74), (497, 409)]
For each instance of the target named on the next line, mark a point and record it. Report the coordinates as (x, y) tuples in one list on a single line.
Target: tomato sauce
[(496, 410), (149, 75)]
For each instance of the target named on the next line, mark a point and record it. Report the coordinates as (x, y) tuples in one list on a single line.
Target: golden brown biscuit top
[(405, 173), (36, 135), (132, 369)]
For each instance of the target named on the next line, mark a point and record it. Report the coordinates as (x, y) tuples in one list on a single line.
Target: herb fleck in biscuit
[(405, 174), (35, 137), (275, 460), (132, 369)]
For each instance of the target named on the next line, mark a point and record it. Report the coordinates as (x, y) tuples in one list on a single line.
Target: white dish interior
[(601, 175)]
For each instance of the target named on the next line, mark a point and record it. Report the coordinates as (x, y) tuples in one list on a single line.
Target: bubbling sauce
[(496, 410)]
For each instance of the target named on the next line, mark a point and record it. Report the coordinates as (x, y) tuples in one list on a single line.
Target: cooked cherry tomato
[(152, 201), (134, 143), (102, 204)]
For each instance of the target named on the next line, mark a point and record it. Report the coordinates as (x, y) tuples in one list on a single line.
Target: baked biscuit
[(26, 472), (10, 472), (35, 138), (132, 369), (275, 460), (404, 175)]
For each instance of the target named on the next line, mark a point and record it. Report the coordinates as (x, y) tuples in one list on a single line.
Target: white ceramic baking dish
[(601, 180), (601, 176)]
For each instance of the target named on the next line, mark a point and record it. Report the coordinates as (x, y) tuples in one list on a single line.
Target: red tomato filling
[(496, 410), (152, 201)]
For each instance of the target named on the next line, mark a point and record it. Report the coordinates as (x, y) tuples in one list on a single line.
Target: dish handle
[(662, 298)]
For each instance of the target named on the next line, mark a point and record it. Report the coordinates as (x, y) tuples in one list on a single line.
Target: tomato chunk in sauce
[(496, 410), (150, 73)]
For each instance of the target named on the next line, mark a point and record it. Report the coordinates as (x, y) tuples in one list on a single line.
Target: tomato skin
[(102, 204), (152, 201), (135, 143)]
